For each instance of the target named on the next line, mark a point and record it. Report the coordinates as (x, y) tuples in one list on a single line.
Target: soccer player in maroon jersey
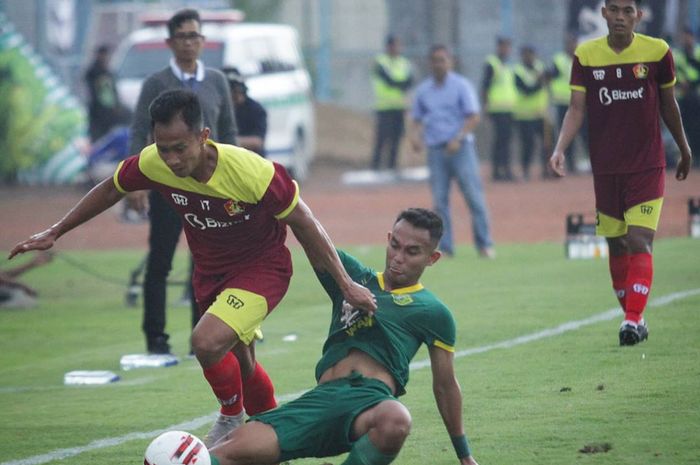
[(624, 81), (235, 207)]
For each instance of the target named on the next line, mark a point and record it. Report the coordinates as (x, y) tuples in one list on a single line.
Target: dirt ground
[(529, 212)]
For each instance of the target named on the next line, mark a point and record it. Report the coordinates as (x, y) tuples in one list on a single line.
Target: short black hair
[(423, 218), (235, 79), (180, 17), (638, 2), (439, 48), (503, 40), (177, 102)]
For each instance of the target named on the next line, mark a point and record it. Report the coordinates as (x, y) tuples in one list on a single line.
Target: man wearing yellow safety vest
[(531, 107), (687, 60), (558, 75), (392, 76), (498, 96)]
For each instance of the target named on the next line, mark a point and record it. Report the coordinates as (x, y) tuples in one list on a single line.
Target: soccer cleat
[(223, 425), (643, 330), (632, 333)]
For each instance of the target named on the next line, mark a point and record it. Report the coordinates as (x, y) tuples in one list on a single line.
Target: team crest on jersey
[(598, 74), (233, 207), (402, 299), (640, 71)]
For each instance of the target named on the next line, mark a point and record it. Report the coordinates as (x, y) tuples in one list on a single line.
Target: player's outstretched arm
[(448, 397), (570, 126), (323, 256), (672, 118), (99, 199)]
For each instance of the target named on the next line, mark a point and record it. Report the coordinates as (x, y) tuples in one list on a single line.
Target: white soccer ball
[(176, 448)]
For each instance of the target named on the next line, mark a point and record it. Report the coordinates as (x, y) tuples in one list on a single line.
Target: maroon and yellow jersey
[(232, 220), (622, 101)]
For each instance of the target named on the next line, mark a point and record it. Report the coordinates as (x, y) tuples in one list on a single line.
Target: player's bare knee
[(640, 239), (207, 349), (231, 452), (618, 246), (251, 444), (394, 423)]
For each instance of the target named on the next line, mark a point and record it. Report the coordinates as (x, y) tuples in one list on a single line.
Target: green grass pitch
[(539, 402)]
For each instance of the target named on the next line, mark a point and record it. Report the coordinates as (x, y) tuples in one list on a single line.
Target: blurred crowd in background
[(58, 80)]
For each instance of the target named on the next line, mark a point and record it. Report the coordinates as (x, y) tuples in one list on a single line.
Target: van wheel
[(300, 165)]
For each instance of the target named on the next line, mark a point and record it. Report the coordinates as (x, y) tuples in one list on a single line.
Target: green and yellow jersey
[(405, 319)]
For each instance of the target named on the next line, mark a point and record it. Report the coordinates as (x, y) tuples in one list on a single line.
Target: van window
[(144, 59), (266, 55)]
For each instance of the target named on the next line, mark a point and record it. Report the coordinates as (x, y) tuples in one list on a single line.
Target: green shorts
[(318, 424)]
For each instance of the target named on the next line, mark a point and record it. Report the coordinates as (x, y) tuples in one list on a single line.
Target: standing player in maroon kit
[(624, 81), (234, 206)]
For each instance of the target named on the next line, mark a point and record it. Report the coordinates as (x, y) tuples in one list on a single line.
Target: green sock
[(214, 460), (363, 452)]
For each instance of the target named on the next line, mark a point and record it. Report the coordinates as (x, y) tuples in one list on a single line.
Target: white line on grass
[(607, 315), (56, 387), (562, 328)]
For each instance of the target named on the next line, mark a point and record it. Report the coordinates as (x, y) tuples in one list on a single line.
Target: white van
[(268, 57)]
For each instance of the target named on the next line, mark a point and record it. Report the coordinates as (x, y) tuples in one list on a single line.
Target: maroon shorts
[(269, 278), (617, 193)]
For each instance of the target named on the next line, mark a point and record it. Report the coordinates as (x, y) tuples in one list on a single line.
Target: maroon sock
[(258, 392), (639, 278), (225, 380), (618, 272)]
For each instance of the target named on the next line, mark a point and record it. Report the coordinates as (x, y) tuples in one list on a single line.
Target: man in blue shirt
[(443, 118)]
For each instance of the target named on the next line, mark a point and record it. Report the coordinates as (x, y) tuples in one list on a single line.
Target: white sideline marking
[(133, 382), (561, 329), (60, 454)]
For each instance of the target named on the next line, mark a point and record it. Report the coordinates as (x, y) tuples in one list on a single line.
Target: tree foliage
[(33, 126)]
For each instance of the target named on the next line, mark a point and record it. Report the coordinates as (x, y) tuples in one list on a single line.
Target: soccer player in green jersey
[(365, 366)]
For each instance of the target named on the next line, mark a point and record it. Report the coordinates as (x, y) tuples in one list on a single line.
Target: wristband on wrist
[(461, 446)]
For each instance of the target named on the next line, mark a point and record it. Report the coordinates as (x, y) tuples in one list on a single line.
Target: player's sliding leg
[(381, 432), (254, 443)]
